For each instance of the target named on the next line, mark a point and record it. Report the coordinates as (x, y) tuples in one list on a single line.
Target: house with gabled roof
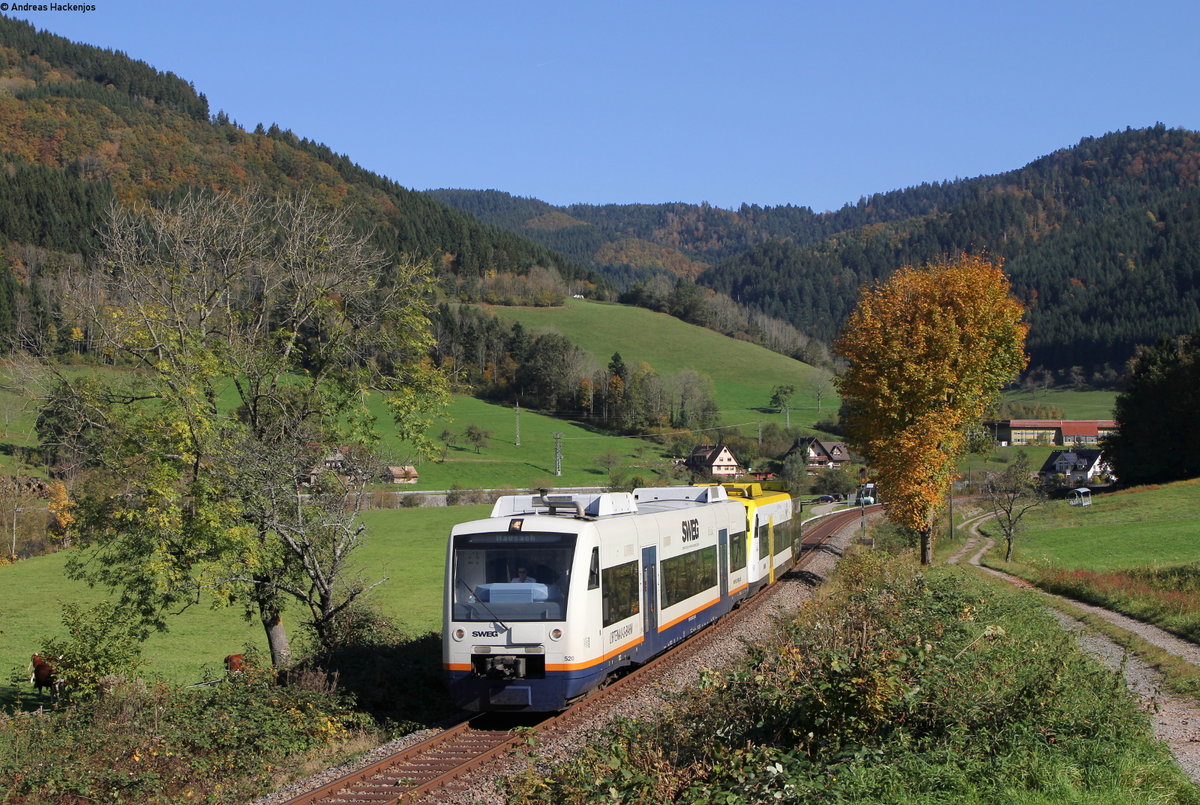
[(1078, 466), (713, 460), (820, 455), (403, 474)]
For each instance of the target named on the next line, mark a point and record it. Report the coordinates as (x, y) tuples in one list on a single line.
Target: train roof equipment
[(582, 506)]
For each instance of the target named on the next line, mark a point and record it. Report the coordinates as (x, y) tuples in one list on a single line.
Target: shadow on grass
[(395, 682), (22, 697), (398, 683)]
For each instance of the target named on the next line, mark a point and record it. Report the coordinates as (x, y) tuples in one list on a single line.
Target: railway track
[(417, 773)]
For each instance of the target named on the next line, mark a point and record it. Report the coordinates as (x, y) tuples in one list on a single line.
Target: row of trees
[(687, 301), (547, 372)]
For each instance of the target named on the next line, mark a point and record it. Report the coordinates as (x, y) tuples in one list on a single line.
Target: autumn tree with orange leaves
[(928, 351)]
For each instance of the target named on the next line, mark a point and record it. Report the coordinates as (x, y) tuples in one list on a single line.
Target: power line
[(678, 432)]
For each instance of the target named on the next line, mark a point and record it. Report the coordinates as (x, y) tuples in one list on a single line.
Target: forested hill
[(81, 125), (629, 242), (1101, 240)]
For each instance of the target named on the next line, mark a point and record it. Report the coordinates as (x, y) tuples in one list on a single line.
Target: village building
[(714, 460), (818, 454), (406, 474), (1079, 466), (1062, 432)]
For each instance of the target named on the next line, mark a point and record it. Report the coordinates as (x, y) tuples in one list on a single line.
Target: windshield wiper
[(479, 600)]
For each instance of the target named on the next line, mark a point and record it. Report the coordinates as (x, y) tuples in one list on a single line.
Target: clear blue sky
[(757, 101)]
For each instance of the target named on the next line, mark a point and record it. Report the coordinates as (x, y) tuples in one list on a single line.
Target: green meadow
[(1144, 527), (1074, 404), (406, 545), (744, 374), (504, 463), (1134, 552), (404, 549)]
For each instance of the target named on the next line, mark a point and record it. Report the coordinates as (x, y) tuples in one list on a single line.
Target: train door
[(649, 592), (797, 529), (756, 550), (771, 550), (723, 560)]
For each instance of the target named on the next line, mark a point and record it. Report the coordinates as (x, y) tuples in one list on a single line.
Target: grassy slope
[(1074, 404), (503, 463), (743, 373), (1154, 526)]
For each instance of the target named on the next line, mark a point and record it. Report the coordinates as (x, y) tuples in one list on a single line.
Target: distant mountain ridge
[(1102, 241)]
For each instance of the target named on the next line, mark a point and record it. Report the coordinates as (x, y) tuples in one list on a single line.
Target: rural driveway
[(1176, 720)]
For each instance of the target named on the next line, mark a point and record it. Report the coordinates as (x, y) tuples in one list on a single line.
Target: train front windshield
[(511, 577)]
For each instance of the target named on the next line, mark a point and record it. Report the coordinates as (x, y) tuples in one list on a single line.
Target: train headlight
[(459, 634), (556, 634)]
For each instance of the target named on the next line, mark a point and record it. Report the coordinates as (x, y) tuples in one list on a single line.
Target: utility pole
[(557, 453), (950, 505), (517, 428), (14, 527)]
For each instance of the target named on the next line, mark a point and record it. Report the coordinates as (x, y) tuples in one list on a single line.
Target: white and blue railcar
[(553, 593)]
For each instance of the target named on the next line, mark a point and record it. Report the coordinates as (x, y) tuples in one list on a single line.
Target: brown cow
[(235, 662), (43, 675)]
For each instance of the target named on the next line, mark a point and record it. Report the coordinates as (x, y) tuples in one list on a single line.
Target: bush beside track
[(153, 743), (897, 686)]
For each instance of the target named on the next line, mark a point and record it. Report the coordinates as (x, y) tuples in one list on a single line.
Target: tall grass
[(1169, 598)]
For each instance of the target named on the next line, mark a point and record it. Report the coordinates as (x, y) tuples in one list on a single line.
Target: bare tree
[(821, 390), (610, 461), (258, 328), (1011, 494)]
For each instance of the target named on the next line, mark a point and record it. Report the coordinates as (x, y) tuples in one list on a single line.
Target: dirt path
[(1176, 720)]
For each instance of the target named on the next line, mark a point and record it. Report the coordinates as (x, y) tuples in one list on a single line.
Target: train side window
[(688, 574), (764, 547), (594, 570), (784, 535), (620, 597), (737, 551)]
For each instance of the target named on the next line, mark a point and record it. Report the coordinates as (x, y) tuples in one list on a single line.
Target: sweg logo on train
[(623, 632), (482, 633)]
